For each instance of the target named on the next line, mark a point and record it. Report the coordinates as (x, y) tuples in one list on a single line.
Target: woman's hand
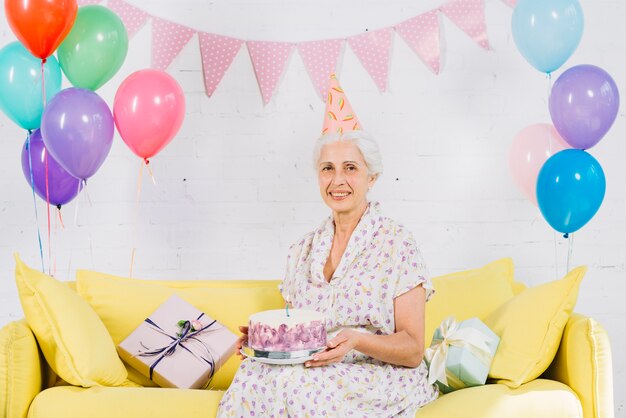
[(242, 340), (337, 349)]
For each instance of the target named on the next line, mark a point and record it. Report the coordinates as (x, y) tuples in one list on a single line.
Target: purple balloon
[(62, 186), (77, 128), (583, 105)]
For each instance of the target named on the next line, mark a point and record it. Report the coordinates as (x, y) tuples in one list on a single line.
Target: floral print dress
[(380, 262)]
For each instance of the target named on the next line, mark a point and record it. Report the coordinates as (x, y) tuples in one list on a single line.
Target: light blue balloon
[(570, 189), (547, 32), (21, 96)]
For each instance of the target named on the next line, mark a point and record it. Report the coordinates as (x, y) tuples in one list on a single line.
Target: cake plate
[(280, 357)]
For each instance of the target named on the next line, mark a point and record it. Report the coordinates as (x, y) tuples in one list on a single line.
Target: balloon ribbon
[(32, 183)]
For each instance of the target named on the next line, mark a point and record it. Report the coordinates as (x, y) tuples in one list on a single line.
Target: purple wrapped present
[(178, 346)]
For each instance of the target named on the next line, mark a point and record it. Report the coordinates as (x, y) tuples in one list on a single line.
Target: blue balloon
[(21, 96), (570, 189), (547, 32)]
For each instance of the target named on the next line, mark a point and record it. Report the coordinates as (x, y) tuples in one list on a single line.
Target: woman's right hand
[(242, 340)]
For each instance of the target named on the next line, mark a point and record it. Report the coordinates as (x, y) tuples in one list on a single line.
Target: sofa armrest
[(584, 363), (20, 369)]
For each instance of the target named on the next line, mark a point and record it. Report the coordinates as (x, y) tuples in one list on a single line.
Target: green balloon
[(95, 48)]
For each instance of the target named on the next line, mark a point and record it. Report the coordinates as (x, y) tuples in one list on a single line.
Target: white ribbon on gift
[(437, 354)]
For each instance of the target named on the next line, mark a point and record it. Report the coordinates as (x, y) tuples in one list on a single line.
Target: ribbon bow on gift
[(188, 331), (437, 353)]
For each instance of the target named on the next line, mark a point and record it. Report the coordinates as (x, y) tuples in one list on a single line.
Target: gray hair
[(364, 142)]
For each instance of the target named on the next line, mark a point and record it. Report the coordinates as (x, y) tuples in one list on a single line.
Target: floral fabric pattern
[(380, 263)]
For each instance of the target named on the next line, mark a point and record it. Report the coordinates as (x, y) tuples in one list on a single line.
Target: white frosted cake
[(275, 331)]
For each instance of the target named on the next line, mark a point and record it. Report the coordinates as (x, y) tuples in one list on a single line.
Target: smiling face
[(343, 177)]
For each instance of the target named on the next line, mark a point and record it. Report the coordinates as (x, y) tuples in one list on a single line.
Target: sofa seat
[(539, 398)]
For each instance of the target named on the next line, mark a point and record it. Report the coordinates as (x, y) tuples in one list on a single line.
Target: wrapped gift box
[(174, 354), (463, 352)]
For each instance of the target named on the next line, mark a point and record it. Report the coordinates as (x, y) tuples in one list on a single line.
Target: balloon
[(148, 108), (583, 105), (20, 84), (570, 189), (62, 186), (77, 128), (530, 149), (95, 48), (547, 32), (41, 25)]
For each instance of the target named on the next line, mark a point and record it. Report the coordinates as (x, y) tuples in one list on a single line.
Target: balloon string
[(54, 270), (556, 262), (45, 159), (60, 217), (136, 220), (570, 242), (149, 170), (549, 77), (43, 82), (77, 205), (84, 181), (32, 183)]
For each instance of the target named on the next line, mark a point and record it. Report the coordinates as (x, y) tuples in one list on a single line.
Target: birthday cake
[(284, 330)]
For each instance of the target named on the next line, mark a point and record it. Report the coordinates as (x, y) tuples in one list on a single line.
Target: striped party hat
[(339, 116)]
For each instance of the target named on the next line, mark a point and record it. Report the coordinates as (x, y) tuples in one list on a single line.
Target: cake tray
[(280, 357)]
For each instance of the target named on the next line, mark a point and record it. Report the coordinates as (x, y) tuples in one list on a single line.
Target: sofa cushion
[(124, 303), (537, 399), (530, 327), (20, 363), (99, 402), (466, 294), (72, 338)]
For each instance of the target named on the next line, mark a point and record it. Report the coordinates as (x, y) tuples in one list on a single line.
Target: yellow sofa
[(578, 382)]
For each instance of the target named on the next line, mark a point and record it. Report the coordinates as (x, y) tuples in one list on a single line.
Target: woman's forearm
[(399, 348)]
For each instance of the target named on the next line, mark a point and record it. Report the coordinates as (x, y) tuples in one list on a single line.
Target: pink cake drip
[(301, 337)]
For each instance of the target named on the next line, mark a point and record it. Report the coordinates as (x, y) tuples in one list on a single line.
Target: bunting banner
[(469, 16), (421, 33), (217, 52), (269, 60), (373, 50), (320, 59), (168, 39), (133, 17)]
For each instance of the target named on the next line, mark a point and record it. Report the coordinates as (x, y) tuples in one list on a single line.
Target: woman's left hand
[(337, 349)]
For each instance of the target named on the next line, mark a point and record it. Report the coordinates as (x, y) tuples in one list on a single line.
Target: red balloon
[(149, 108), (41, 25)]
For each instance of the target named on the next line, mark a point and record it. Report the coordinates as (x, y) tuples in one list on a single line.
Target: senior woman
[(365, 273)]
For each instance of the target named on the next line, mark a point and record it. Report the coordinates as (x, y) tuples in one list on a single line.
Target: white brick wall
[(235, 187)]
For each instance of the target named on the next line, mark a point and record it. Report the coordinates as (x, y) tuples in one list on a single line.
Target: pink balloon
[(530, 149), (149, 108)]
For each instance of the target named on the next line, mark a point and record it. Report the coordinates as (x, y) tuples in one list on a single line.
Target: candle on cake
[(287, 330)]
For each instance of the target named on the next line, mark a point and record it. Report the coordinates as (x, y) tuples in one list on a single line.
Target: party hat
[(339, 116)]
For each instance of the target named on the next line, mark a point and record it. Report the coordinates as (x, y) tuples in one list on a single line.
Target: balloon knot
[(43, 61), (145, 160), (566, 235), (59, 207)]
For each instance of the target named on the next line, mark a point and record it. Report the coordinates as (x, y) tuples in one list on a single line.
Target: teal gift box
[(460, 354)]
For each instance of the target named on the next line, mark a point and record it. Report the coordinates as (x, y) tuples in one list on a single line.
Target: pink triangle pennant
[(133, 18), (217, 54), (421, 33), (168, 39), (469, 16), (320, 59), (373, 50), (269, 60)]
